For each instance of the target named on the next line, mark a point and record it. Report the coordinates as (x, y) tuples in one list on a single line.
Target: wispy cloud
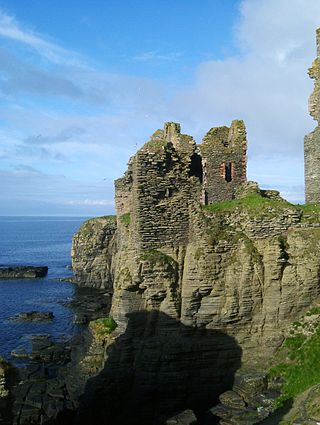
[(62, 136), (37, 193), (154, 56), (91, 202), (11, 29)]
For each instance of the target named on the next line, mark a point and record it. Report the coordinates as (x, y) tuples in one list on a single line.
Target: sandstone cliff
[(240, 271), (198, 288)]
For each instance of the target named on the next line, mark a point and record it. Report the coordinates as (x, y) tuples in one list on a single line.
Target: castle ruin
[(171, 171)]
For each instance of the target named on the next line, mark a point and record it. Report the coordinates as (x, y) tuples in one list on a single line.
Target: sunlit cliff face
[(314, 72)]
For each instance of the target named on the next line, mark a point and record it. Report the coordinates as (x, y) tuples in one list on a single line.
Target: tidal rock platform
[(23, 272)]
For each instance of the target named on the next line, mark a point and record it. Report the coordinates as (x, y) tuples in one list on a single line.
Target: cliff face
[(240, 271), (197, 289), (312, 140), (92, 249)]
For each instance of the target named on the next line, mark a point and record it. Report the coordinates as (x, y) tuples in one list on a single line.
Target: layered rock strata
[(90, 249), (197, 289)]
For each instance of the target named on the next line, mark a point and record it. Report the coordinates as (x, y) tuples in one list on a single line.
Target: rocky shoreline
[(52, 387), (44, 386)]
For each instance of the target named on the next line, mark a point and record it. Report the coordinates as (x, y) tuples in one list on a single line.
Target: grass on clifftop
[(309, 208), (257, 203), (250, 202), (103, 217), (299, 358)]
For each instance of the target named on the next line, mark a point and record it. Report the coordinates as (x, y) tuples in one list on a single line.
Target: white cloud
[(266, 85), (11, 29)]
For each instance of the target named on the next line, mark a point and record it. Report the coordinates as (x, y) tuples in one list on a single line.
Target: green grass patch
[(88, 226), (309, 208), (310, 213), (259, 205), (251, 202), (125, 219), (300, 368), (313, 310), (154, 256), (103, 327), (103, 217)]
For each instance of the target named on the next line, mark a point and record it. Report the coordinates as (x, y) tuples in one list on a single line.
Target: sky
[(83, 84)]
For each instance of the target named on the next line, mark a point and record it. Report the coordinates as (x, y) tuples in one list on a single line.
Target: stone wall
[(312, 140), (170, 172), (224, 159), (157, 189)]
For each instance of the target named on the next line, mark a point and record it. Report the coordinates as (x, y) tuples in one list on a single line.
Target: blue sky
[(84, 83)]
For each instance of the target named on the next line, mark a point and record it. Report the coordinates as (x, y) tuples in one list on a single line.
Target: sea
[(40, 241)]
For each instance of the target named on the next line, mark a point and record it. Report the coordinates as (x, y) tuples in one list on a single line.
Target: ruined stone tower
[(170, 173), (224, 161), (312, 140)]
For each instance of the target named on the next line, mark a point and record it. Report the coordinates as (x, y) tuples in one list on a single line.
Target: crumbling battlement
[(171, 173)]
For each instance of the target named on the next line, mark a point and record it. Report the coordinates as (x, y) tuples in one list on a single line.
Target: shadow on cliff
[(156, 368)]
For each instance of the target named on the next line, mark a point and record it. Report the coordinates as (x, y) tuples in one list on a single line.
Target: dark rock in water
[(90, 304), (41, 348), (35, 316), (80, 319), (23, 272), (187, 417)]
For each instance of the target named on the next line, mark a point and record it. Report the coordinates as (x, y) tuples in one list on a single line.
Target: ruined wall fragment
[(312, 140)]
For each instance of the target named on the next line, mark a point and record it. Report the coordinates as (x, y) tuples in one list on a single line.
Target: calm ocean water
[(35, 241)]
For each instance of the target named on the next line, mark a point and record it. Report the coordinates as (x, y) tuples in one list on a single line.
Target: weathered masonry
[(312, 140), (170, 172), (224, 161)]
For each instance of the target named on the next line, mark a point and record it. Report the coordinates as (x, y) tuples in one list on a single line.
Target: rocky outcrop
[(53, 371), (198, 290), (23, 272), (248, 403), (92, 252)]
